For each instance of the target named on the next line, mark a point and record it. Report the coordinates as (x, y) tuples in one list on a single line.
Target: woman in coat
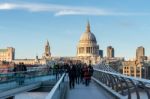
[(86, 75)]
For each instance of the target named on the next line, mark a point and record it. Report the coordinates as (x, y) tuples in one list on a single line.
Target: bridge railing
[(6, 77), (21, 78), (59, 90), (123, 85)]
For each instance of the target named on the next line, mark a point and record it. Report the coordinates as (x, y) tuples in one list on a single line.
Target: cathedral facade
[(87, 48)]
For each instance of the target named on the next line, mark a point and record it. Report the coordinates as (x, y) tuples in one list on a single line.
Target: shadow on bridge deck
[(93, 91)]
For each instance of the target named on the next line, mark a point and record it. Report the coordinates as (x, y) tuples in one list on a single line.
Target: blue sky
[(26, 25)]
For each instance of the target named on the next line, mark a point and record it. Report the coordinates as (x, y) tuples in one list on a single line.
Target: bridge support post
[(115, 83), (108, 80), (128, 88), (120, 85), (136, 89), (146, 90)]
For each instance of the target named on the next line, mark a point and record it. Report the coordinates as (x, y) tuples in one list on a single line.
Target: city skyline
[(27, 26)]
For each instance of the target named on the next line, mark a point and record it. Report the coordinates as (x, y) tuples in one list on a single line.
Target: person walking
[(78, 73), (82, 73), (56, 71), (23, 70), (90, 68), (72, 74), (86, 75)]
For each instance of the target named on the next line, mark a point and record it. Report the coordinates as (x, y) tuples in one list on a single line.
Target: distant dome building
[(87, 49)]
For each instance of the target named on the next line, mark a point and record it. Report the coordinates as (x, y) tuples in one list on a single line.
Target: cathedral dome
[(88, 36), (87, 48)]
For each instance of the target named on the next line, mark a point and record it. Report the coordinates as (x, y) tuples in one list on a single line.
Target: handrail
[(118, 96), (124, 76), (122, 84), (11, 76), (17, 72), (50, 95)]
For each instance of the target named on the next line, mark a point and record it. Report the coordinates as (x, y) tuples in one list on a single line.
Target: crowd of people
[(77, 72), (19, 71), (20, 67)]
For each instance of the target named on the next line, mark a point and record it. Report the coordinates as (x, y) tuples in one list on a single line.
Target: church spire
[(47, 43), (88, 27), (47, 53)]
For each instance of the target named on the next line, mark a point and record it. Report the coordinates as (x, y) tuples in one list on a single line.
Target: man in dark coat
[(90, 71), (78, 73), (72, 75)]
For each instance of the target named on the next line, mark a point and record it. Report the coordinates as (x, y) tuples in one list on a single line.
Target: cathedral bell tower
[(47, 53)]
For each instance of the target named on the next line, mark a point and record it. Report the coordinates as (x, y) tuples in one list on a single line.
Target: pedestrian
[(82, 73), (72, 74), (22, 70), (78, 73), (90, 68), (56, 71), (86, 75)]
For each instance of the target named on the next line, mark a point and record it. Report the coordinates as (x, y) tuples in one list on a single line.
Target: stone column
[(90, 50), (86, 49)]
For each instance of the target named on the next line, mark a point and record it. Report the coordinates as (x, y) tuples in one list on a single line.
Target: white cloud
[(81, 11), (56, 9), (60, 10), (6, 6)]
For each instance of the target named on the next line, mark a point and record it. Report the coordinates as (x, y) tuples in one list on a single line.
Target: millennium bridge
[(41, 83)]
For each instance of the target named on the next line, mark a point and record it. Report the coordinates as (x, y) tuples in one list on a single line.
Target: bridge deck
[(88, 92)]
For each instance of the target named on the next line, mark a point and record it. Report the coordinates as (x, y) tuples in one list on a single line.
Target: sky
[(26, 25)]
